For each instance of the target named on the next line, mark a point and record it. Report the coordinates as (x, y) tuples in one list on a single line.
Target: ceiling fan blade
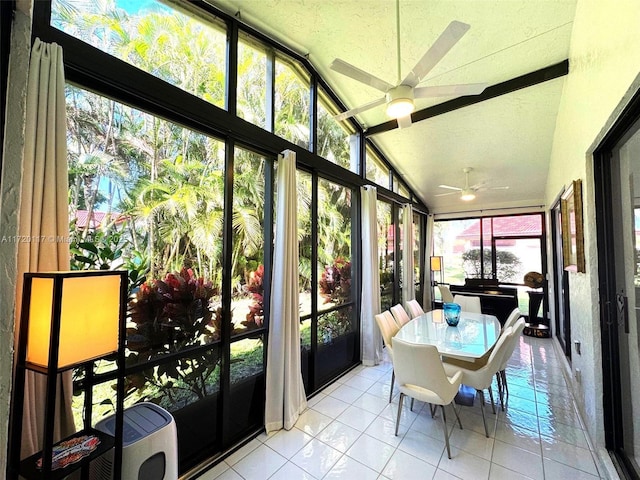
[(450, 90), (450, 187), (349, 70), (404, 122), (361, 108), (445, 42), (445, 194)]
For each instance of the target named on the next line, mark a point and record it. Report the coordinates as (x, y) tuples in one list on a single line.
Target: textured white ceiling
[(507, 140)]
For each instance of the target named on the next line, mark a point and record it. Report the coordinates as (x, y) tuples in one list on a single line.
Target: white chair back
[(420, 365), (512, 318), (445, 293), (498, 353), (388, 327), (415, 308), (468, 303), (512, 342), (400, 314), (421, 376)]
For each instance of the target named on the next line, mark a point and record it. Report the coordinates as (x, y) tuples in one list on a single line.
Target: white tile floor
[(348, 433)]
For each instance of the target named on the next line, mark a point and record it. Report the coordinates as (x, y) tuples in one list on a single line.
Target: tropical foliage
[(169, 316), (255, 286), (507, 264), (335, 289), (148, 195), (335, 284)]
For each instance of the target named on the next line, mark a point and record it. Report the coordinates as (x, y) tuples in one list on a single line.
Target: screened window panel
[(155, 37), (377, 171), (337, 141), (334, 245), (247, 304), (252, 81), (292, 107)]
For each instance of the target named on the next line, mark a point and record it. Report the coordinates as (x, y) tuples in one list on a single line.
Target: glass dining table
[(473, 337)]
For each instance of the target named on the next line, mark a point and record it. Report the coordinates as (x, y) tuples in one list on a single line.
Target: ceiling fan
[(467, 193), (399, 98)]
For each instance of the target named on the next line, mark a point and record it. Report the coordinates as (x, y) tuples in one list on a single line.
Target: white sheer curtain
[(408, 274), (285, 395), (370, 336), (427, 295), (44, 220)]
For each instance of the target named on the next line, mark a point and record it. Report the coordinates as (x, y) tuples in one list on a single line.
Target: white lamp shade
[(89, 318)]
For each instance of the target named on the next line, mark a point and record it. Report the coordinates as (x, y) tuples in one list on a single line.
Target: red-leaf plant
[(335, 287), (171, 315), (255, 286)]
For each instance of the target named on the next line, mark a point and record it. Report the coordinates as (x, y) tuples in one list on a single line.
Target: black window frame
[(95, 70)]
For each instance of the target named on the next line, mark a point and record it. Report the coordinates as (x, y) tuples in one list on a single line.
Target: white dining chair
[(415, 308), (481, 378), (388, 328), (468, 303), (501, 374), (445, 293), (421, 376), (400, 315), (512, 318)]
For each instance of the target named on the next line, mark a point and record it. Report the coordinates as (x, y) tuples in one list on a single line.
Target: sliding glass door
[(618, 193)]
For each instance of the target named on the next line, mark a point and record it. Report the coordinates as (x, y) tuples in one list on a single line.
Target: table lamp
[(77, 313)]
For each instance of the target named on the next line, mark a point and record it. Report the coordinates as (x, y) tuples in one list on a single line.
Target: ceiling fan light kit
[(467, 195), (400, 101)]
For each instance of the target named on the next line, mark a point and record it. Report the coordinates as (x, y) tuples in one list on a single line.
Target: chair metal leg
[(456, 412), (411, 407), (500, 389), (493, 405), (399, 411), (505, 384), (393, 377), (444, 427), (433, 409), (484, 420)]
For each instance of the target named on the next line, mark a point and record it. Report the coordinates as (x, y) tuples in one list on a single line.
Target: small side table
[(532, 328)]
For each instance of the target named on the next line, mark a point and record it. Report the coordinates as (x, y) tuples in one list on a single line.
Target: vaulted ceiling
[(506, 139)]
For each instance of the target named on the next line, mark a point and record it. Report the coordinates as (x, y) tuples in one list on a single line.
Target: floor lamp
[(437, 265), (68, 319)]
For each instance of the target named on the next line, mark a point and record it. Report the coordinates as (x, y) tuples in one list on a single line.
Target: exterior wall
[(9, 205), (604, 66)]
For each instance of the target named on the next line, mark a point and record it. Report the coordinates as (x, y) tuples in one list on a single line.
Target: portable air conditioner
[(149, 449)]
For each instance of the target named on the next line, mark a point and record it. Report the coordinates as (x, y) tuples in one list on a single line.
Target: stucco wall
[(603, 73), (9, 204)]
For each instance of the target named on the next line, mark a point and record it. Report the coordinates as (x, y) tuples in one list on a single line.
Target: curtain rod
[(482, 210)]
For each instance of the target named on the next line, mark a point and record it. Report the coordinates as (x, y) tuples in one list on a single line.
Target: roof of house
[(98, 219), (521, 225)]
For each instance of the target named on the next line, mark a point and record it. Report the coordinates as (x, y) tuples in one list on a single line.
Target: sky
[(134, 6)]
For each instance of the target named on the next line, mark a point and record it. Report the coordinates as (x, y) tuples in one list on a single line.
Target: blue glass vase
[(451, 313)]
